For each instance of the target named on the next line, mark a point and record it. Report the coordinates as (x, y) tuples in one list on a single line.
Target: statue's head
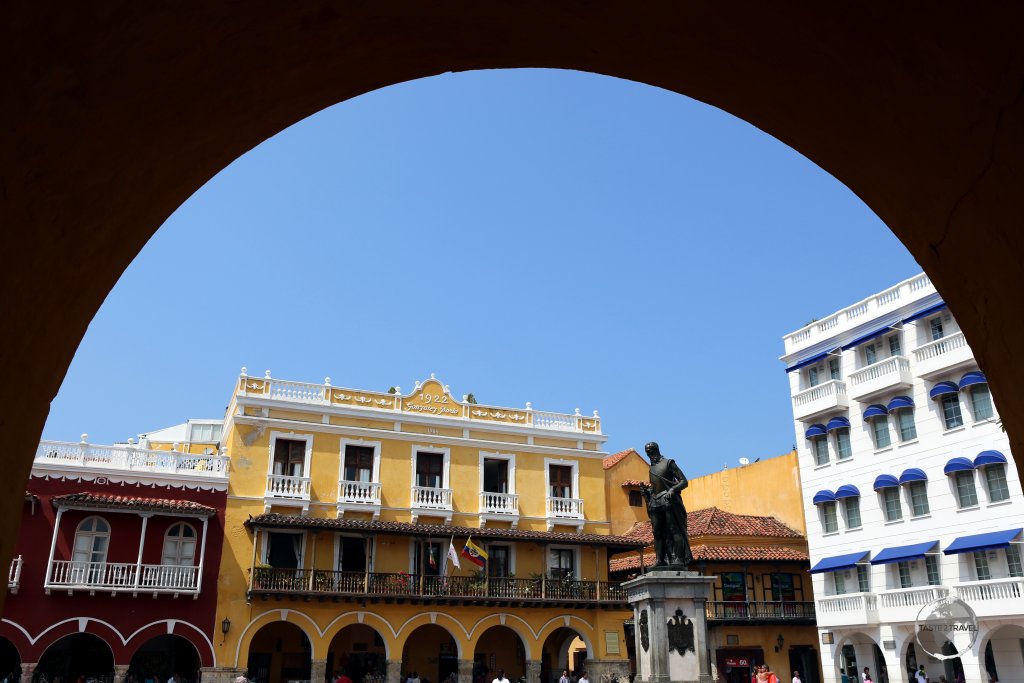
[(653, 452)]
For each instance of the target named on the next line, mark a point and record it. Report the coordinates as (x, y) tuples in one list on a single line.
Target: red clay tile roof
[(614, 459), (274, 520), (715, 522), (132, 503), (636, 482), (718, 553)]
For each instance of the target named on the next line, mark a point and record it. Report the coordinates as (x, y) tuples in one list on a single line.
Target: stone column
[(973, 669), (465, 671), (533, 671), (318, 671), (700, 619), (393, 671), (120, 673), (27, 669)]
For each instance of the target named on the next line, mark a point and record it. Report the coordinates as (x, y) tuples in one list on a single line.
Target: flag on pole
[(432, 555), (452, 555), (474, 553)]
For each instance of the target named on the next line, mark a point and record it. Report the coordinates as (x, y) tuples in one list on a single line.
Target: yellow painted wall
[(621, 514), (769, 487)]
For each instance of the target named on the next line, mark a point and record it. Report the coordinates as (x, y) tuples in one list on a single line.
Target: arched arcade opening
[(432, 652), (564, 648), (10, 660), (359, 652), (499, 648), (79, 655), (1003, 654), (163, 656), (279, 652)]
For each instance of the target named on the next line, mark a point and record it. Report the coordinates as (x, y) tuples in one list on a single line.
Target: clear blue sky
[(549, 236)]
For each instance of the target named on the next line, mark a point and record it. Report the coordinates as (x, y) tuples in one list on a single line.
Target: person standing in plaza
[(796, 677), (583, 678), (565, 677)]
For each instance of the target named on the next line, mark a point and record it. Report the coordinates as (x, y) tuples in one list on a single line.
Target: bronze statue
[(666, 511)]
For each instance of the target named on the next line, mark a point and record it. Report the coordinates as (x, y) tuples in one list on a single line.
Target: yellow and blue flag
[(474, 553)]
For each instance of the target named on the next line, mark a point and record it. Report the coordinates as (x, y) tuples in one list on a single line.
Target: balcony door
[(562, 563), (560, 481), (352, 556), (92, 539), (289, 457), (427, 558), (176, 561), (496, 475), (284, 551), (358, 463), (430, 469)]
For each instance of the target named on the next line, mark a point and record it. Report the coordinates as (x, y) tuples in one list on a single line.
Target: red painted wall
[(111, 617)]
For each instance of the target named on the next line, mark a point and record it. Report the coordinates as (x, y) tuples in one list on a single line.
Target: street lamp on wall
[(225, 626)]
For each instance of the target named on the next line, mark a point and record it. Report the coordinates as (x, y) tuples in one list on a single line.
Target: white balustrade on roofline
[(895, 296), (320, 394), (14, 574), (499, 503), (122, 577), (847, 609), (940, 347), (129, 457)]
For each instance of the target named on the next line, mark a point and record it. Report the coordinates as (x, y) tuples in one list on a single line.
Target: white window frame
[(371, 549), (94, 534), (988, 483), (910, 499), (849, 442), (846, 512), (899, 342), (445, 468), (290, 436), (823, 516), (953, 477), (548, 462), (510, 458), (874, 421), (375, 445), (195, 537), (885, 508), (974, 412), (575, 559), (265, 550)]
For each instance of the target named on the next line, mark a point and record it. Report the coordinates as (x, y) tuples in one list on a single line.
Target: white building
[(909, 488)]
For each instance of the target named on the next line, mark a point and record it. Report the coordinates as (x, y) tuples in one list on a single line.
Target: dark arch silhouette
[(78, 654), (115, 115), (166, 655)]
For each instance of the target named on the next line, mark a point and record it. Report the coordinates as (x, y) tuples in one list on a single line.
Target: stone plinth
[(670, 623)]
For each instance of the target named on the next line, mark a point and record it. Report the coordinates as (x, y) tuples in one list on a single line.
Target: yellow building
[(746, 530), (341, 509)]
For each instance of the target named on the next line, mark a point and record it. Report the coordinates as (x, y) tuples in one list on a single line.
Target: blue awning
[(809, 361), (847, 491), (989, 541), (913, 474), (886, 481), (824, 496), (867, 337), (900, 402), (989, 458), (926, 312), (903, 553), (943, 388), (837, 423), (815, 430), (958, 465), (971, 378), (874, 410), (838, 562)]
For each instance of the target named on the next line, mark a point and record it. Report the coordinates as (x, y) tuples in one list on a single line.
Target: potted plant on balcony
[(261, 575)]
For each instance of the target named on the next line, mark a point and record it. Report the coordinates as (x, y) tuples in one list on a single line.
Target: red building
[(115, 571)]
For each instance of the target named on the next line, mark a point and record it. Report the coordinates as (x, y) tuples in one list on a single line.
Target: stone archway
[(432, 652), (78, 654), (360, 652), (279, 651), (500, 648), (165, 655), (116, 116)]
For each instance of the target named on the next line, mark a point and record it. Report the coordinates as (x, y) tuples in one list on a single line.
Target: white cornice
[(417, 436), (117, 476), (416, 418)]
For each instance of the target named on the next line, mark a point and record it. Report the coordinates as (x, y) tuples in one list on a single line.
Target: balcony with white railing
[(993, 598), (567, 511), (904, 604), (421, 404), (358, 496), (827, 397), (427, 500), (14, 575), (943, 355), (62, 456), (891, 374), (121, 577), (853, 609), (287, 490), (499, 507)]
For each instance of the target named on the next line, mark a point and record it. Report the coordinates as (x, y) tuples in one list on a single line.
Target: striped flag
[(474, 553)]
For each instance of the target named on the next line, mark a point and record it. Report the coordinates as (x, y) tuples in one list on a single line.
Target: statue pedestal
[(670, 623)]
